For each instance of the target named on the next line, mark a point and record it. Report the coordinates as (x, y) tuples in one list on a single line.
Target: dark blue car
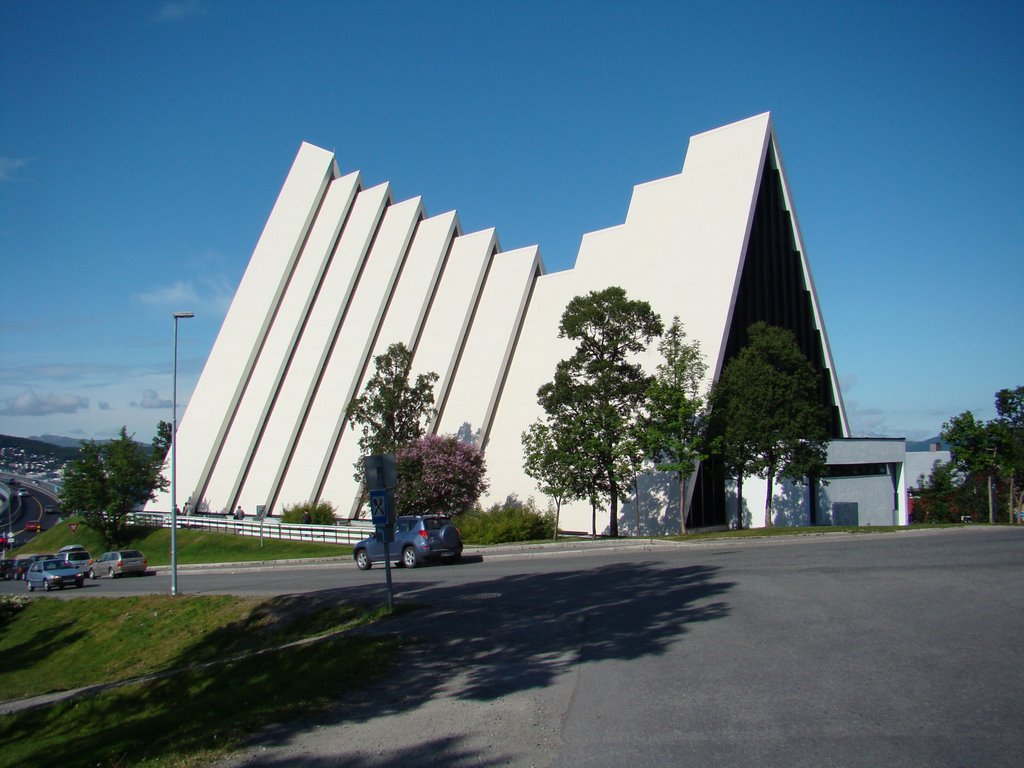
[(418, 538)]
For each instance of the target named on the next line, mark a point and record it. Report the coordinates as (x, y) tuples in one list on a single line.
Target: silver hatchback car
[(114, 564), (51, 574), (418, 538)]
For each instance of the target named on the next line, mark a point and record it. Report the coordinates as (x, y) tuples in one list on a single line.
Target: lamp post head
[(183, 315)]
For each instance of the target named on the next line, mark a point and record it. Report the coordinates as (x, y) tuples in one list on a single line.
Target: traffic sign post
[(381, 513)]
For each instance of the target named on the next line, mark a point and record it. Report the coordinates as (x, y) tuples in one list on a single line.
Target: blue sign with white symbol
[(379, 507)]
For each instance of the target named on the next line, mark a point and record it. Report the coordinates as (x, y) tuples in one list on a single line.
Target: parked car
[(51, 574), (418, 538), (22, 563), (114, 564), (78, 558)]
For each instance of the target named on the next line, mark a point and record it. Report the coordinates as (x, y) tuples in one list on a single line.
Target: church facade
[(341, 271)]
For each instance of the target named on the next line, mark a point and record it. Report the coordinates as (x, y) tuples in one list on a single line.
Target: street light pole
[(174, 456)]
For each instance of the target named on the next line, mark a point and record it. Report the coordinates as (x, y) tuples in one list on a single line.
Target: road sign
[(379, 506), (381, 471), (73, 527)]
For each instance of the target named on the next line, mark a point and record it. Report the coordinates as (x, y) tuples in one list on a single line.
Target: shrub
[(439, 474), (320, 513), (512, 520)]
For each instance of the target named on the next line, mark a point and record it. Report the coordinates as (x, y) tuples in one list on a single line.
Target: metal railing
[(344, 532)]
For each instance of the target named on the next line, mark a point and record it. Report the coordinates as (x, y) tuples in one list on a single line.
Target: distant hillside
[(64, 442), (926, 445), (32, 447)]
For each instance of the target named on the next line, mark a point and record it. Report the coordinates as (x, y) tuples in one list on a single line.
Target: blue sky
[(142, 145)]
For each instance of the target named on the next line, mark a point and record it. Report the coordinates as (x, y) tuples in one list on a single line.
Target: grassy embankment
[(235, 673), (193, 546)]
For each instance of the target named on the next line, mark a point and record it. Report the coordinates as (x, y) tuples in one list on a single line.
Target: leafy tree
[(162, 441), (991, 449), (439, 475), (554, 464), (947, 496), (109, 481), (391, 412), (598, 394), (768, 417), (974, 445), (677, 410), (1010, 416)]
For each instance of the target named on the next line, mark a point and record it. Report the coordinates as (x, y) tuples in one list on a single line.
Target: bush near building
[(512, 520), (320, 513)]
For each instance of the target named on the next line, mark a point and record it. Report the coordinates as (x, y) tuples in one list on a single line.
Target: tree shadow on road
[(486, 640)]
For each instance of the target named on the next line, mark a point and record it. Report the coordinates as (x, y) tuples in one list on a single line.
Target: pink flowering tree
[(439, 475)]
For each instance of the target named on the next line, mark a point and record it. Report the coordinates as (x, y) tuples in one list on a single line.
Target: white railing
[(344, 532)]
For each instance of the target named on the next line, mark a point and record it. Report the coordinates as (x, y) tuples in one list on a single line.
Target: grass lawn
[(193, 546), (183, 719)]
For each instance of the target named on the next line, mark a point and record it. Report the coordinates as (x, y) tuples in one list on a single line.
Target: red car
[(33, 526)]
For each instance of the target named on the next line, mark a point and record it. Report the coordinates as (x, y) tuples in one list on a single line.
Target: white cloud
[(179, 10), (179, 296), (150, 399), (31, 404), (8, 166)]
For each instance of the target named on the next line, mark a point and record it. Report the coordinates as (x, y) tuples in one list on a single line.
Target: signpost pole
[(381, 516)]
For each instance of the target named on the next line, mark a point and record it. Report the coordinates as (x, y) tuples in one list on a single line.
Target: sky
[(143, 144)]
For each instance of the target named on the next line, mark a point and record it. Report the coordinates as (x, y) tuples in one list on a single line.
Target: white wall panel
[(315, 450), (405, 314), (448, 319), (276, 354), (299, 387), (213, 402), (474, 389)]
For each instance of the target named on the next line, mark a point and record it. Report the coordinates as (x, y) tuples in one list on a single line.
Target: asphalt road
[(895, 650)]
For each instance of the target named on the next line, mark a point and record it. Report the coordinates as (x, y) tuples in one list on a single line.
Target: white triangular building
[(342, 271)]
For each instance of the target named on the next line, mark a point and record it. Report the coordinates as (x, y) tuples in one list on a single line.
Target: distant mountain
[(926, 445), (63, 442)]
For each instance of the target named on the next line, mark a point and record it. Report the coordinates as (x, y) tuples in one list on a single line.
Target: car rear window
[(434, 523), (131, 553)]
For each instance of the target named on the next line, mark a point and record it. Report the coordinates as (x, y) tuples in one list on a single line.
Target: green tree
[(946, 495), (391, 412), (162, 441), (677, 410), (974, 445), (991, 449), (597, 395), (554, 464), (767, 413), (109, 481), (1010, 415)]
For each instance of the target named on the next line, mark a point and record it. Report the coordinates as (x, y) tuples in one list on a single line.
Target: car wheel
[(363, 562), (46, 585), (111, 574), (29, 585), (92, 574), (79, 583), (409, 559)]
